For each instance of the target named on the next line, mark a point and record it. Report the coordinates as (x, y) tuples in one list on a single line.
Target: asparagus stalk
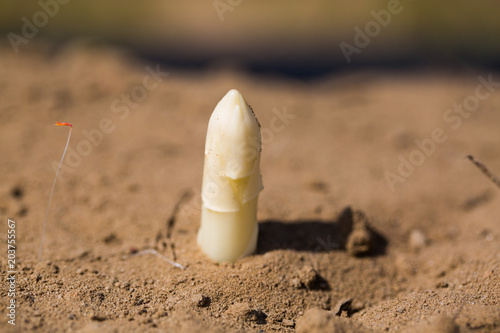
[(231, 181)]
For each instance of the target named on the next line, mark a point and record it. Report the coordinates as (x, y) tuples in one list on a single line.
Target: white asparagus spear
[(231, 181)]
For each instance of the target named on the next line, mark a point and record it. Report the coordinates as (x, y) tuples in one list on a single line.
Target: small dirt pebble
[(342, 305), (288, 323), (200, 301), (97, 317), (417, 240), (243, 311), (318, 321), (360, 240), (308, 277), (442, 284)]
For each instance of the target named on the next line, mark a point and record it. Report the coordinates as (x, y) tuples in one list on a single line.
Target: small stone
[(319, 186), (243, 311), (342, 305), (417, 240), (441, 274), (295, 282), (200, 300), (17, 192), (288, 323), (72, 316), (357, 306), (360, 240), (487, 235), (111, 238), (308, 277), (316, 320), (96, 317), (442, 284)]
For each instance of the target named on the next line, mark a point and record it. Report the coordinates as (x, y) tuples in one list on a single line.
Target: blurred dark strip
[(291, 38)]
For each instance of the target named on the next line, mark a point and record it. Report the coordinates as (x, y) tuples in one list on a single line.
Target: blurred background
[(293, 38)]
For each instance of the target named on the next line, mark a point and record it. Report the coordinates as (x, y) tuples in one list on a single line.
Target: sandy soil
[(421, 257)]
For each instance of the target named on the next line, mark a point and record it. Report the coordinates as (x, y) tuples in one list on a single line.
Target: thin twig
[(485, 170), (156, 253), (173, 217), (52, 189)]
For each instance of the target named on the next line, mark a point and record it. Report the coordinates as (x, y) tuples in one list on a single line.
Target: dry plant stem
[(52, 189), (156, 253), (485, 170)]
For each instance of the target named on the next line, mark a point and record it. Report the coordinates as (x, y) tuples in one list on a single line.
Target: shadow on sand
[(317, 235)]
